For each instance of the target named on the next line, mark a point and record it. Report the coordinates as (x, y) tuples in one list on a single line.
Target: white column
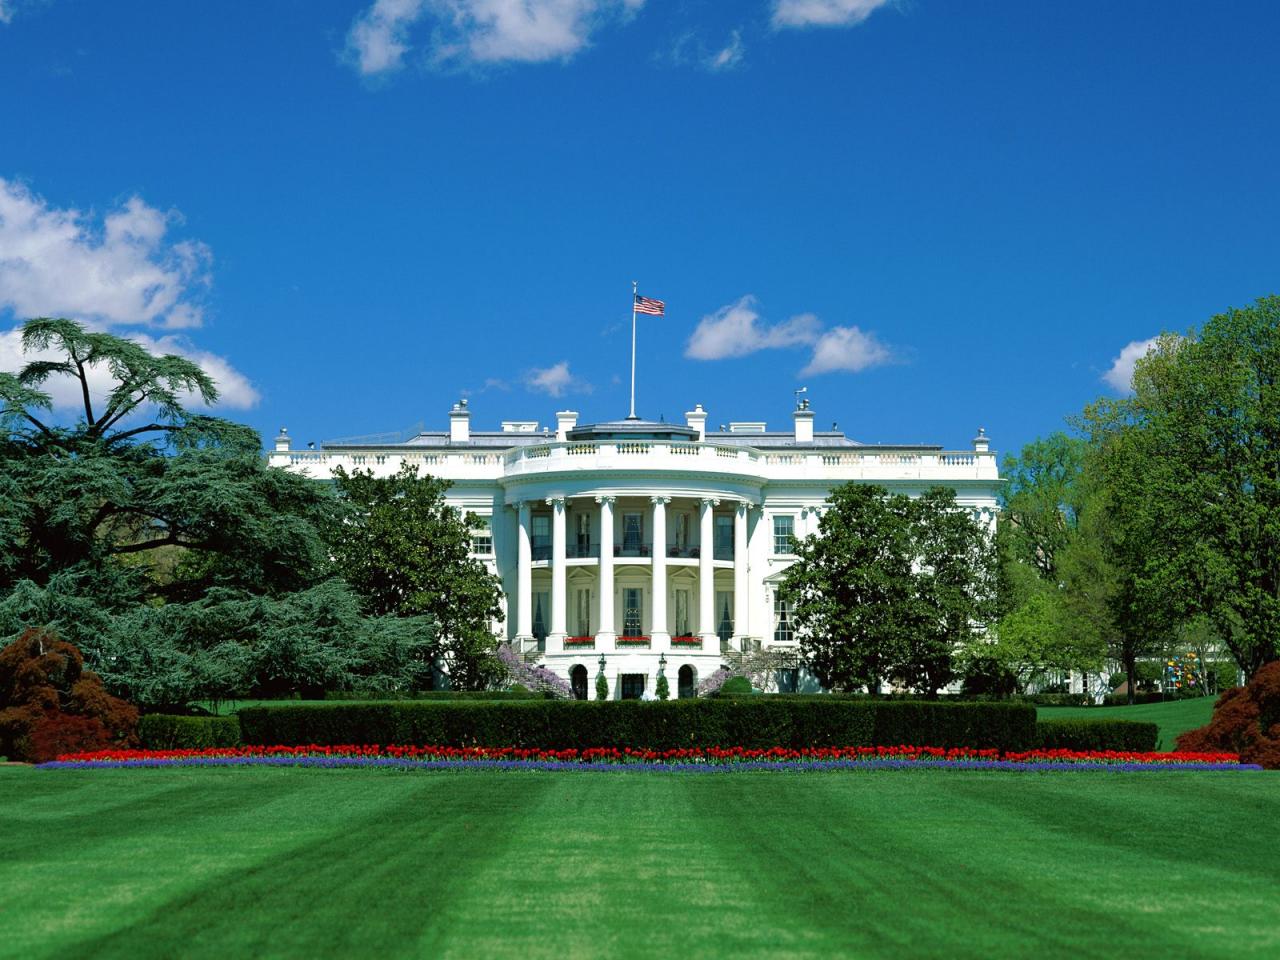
[(658, 632), (607, 632), (740, 605), (555, 637), (524, 580), (707, 577)]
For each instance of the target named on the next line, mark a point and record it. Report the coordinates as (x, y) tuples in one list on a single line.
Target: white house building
[(636, 544)]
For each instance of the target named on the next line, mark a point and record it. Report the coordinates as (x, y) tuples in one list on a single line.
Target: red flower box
[(686, 641), (579, 641), (633, 641)]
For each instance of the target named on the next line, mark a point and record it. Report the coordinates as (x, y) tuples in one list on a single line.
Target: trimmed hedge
[(731, 721), (1090, 734), (349, 695), (160, 731)]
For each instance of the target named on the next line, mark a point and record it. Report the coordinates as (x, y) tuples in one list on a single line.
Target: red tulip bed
[(690, 760)]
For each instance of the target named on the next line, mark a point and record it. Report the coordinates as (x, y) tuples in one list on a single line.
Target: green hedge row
[(159, 731), (365, 696), (1090, 734), (729, 721)]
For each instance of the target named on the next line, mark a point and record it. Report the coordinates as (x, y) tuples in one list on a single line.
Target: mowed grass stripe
[(275, 863), (612, 865), (291, 862)]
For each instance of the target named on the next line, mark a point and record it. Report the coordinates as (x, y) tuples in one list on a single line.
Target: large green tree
[(889, 588), (1192, 460), (135, 490), (408, 553)]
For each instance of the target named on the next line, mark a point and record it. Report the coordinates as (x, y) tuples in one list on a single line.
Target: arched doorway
[(578, 681), (687, 683)]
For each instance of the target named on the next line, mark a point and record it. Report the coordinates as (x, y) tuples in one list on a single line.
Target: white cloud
[(736, 330), (1120, 376), (555, 380), (6, 11), (58, 262), (848, 349), (121, 272), (378, 39), (823, 13), (728, 56), (235, 390), (480, 31)]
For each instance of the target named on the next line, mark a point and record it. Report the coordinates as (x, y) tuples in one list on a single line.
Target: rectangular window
[(540, 536), (584, 534), (788, 680), (632, 686), (682, 532), (682, 614), (724, 614), (632, 533), (784, 530), (783, 628), (541, 616), (481, 537), (631, 612), (584, 613), (724, 537)]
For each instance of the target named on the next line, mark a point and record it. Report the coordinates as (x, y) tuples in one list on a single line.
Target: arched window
[(578, 681), (687, 683)]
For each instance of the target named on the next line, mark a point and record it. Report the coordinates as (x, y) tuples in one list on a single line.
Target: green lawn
[(1173, 718), (291, 862)]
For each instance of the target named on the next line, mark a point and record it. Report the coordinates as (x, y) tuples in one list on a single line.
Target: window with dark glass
[(540, 536), (783, 629), (631, 612)]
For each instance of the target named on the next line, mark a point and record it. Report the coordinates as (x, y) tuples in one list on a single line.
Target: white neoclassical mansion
[(632, 545)]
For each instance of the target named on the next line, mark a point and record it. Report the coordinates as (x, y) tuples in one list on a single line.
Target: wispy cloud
[(846, 349), (824, 13), (6, 11), (124, 271), (234, 389), (728, 56), (118, 270), (1120, 376), (555, 380), (736, 330), (461, 32)]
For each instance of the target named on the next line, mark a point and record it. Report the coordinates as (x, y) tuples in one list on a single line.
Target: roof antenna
[(801, 404)]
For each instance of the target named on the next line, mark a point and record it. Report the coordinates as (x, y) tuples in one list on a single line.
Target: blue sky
[(935, 215)]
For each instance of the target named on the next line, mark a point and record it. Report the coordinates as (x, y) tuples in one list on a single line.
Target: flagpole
[(634, 290)]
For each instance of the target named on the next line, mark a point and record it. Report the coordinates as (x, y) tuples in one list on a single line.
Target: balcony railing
[(581, 550), (627, 549)]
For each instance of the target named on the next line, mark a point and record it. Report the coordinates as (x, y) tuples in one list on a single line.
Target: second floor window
[(481, 537), (540, 537), (632, 531), (784, 531)]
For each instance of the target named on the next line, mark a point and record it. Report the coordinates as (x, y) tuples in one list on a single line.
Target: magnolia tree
[(538, 679)]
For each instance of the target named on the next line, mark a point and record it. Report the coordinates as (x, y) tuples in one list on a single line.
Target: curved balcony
[(632, 456)]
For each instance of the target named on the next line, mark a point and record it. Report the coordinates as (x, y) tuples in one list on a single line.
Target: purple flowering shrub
[(714, 682), (537, 679)]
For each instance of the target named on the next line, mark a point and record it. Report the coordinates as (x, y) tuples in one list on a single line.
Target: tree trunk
[(1130, 673)]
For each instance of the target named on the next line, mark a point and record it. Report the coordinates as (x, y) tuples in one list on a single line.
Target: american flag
[(646, 305)]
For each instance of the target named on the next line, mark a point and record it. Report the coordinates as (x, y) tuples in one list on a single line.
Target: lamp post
[(602, 683)]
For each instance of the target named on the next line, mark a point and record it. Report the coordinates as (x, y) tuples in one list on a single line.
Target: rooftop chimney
[(981, 443), (460, 423), (804, 422), (566, 420), (282, 441), (697, 420)]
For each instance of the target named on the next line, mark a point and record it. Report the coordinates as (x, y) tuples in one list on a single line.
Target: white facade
[(638, 541)]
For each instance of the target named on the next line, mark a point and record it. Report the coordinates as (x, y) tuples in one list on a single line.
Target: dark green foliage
[(1192, 461), (728, 721), (1088, 734), (602, 686), (159, 731), (227, 645), (408, 554), (366, 695), (662, 690), (735, 685), (889, 588)]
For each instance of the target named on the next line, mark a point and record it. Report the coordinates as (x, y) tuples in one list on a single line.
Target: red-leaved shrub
[(50, 704), (1246, 720)]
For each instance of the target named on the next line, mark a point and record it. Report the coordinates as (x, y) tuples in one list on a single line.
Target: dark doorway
[(686, 683), (632, 686), (578, 680)]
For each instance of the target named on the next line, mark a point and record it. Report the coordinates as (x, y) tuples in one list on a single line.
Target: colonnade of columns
[(659, 633)]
